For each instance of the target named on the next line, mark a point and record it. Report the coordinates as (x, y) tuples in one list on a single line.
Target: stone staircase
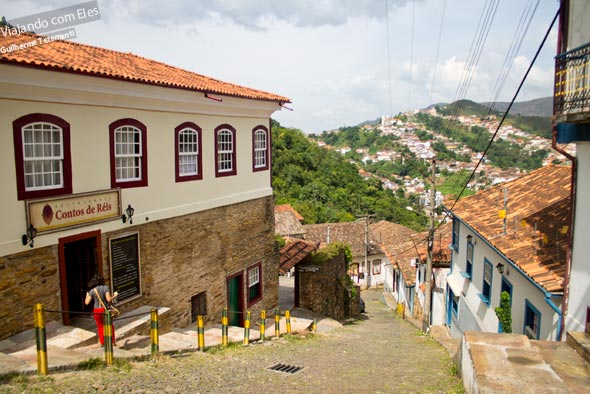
[(68, 346)]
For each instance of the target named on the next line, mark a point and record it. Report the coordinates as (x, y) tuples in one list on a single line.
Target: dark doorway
[(198, 306), (79, 258), (235, 300)]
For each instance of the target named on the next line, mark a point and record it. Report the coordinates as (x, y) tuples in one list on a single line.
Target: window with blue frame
[(469, 260), (454, 300), (532, 321), (487, 281), (455, 243)]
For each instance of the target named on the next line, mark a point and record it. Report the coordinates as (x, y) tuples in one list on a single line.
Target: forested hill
[(324, 188)]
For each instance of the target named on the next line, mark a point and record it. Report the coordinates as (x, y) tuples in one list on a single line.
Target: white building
[(518, 246)]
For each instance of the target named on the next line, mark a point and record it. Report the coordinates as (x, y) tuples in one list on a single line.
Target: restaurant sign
[(51, 214)]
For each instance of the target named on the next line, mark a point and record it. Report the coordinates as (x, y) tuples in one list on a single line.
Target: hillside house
[(156, 177), (366, 268), (511, 237)]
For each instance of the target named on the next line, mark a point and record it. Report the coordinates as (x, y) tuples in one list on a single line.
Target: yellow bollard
[(108, 338), (41, 339), (201, 333), (277, 323), (314, 325), (262, 324), (247, 329), (224, 339), (154, 332), (288, 321)]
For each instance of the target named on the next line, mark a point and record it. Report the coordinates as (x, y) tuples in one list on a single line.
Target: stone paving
[(377, 354)]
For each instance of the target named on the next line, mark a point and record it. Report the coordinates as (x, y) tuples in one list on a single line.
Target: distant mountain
[(537, 107)]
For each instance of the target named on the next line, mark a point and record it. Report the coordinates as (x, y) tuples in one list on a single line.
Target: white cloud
[(329, 56)]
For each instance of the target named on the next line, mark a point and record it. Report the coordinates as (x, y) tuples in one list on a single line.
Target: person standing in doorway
[(101, 295)]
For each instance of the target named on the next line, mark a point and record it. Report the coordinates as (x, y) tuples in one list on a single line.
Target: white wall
[(579, 296), (482, 316), (579, 15), (89, 105)]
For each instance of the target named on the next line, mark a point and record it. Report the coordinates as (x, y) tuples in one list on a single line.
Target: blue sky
[(329, 56)]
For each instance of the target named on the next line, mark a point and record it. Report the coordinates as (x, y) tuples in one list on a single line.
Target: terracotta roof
[(287, 225), (537, 216), (399, 244), (294, 252), (350, 233), (83, 59), (288, 208)]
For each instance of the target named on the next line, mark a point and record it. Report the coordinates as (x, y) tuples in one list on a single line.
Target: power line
[(388, 58), (411, 54), (500, 124), (442, 20), (507, 111)]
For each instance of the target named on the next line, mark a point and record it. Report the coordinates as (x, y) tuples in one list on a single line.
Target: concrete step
[(580, 342), (137, 321), (511, 363)]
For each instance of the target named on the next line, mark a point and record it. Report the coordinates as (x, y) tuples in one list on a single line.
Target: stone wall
[(184, 256), (326, 288), (27, 278), (179, 258)]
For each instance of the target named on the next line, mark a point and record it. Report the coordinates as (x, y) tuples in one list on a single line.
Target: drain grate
[(292, 369)]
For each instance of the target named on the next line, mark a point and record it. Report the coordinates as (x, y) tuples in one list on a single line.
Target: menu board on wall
[(125, 267)]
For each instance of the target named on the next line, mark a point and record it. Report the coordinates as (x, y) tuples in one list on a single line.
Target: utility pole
[(428, 276)]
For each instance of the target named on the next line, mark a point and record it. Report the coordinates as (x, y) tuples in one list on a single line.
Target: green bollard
[(41, 337), (247, 329), (224, 330), (108, 338), (277, 323), (262, 324), (288, 321), (201, 333), (154, 332)]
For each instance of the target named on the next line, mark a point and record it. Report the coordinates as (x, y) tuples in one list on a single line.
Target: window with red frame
[(128, 146), (260, 148), (42, 156), (225, 151), (254, 283), (188, 155)]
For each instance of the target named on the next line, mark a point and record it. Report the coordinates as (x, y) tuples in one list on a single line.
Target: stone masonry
[(179, 258), (325, 288)]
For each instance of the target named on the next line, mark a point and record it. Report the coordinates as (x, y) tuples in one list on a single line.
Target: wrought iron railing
[(572, 81)]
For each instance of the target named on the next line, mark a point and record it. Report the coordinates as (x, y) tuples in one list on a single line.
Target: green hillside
[(324, 187)]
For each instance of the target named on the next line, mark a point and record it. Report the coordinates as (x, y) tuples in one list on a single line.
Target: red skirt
[(99, 319)]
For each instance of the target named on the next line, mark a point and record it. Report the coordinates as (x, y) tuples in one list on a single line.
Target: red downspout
[(562, 31)]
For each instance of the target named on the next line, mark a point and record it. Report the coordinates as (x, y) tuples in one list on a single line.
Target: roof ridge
[(163, 74)]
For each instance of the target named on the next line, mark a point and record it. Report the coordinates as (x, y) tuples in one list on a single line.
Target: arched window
[(225, 151), (260, 148), (187, 138), (128, 148), (42, 156)]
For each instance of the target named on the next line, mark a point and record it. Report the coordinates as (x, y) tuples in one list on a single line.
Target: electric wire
[(440, 31), (388, 58), (411, 54), (521, 84), (480, 38), (518, 37)]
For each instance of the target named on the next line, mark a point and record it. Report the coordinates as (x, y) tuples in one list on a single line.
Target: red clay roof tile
[(99, 62), (537, 213)]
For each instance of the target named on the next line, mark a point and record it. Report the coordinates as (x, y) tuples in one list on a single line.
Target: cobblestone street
[(378, 354)]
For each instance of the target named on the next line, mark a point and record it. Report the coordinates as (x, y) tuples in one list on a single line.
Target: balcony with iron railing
[(572, 85)]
